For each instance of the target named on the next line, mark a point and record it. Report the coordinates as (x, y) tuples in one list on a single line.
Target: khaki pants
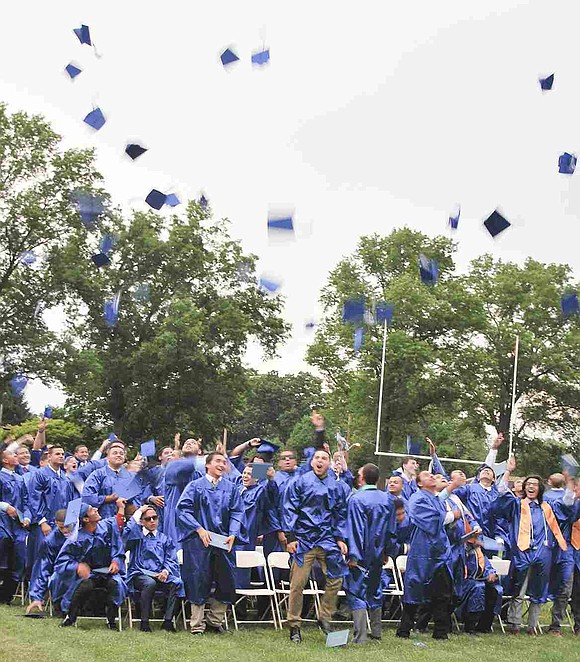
[(215, 616), (299, 576)]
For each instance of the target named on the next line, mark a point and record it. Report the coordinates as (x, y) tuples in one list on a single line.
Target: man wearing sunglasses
[(153, 566)]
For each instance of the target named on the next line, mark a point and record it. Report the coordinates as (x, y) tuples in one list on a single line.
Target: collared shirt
[(146, 532), (213, 481), (7, 471), (368, 487), (58, 472)]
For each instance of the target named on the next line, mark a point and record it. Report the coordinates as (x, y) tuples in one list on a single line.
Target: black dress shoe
[(220, 629), (145, 627), (168, 626), (67, 622), (295, 636)]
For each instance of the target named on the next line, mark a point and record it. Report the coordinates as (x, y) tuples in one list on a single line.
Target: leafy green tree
[(189, 303), (63, 433)]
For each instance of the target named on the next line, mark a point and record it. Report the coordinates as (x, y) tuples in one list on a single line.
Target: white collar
[(8, 471), (58, 472), (210, 479), (146, 531)]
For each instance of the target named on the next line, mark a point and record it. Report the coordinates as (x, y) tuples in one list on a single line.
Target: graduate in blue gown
[(408, 471), (534, 535), (95, 559), (210, 504), (371, 539), (153, 566), (15, 519), (49, 491), (154, 478), (575, 542), (43, 568), (428, 578)]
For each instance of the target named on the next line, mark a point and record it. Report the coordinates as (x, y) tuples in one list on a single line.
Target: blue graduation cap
[(72, 70), (384, 312), (495, 223), (89, 206), (95, 119), (172, 200), (569, 464), (148, 448), (284, 223), (491, 545), (101, 260), (310, 325), (111, 310), (73, 511), (268, 285), (566, 163), (353, 310), (47, 412), (228, 57), (262, 57), (546, 83), (339, 638), (359, 334), (414, 446), (569, 304), (107, 243), (134, 150), (27, 258), (267, 447), (260, 470), (128, 489), (84, 35), (203, 202), (428, 270), (454, 219), (156, 199), (18, 384), (112, 437)]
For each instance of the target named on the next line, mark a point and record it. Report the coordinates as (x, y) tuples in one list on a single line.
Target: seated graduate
[(14, 522), (210, 505), (153, 565), (43, 568), (94, 560)]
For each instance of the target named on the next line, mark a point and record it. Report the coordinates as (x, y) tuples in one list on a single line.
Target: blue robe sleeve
[(291, 509), (425, 516), (39, 484), (117, 549), (91, 491), (131, 534), (357, 526), (185, 519), (69, 558), (438, 467), (339, 515), (271, 496), (43, 567), (236, 514), (170, 562), (505, 506)]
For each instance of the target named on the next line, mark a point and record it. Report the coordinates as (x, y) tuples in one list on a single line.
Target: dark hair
[(60, 515), (162, 449), (54, 448), (399, 503), (79, 446), (541, 488), (370, 473), (322, 450), (406, 460), (148, 507), (211, 456)]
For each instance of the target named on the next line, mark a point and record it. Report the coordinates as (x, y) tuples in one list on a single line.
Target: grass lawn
[(27, 640)]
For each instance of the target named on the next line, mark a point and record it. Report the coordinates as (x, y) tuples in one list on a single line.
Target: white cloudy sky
[(371, 115)]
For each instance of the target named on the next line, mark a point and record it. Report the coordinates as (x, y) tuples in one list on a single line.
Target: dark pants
[(84, 590), (147, 587), (576, 600), (486, 618), (7, 571), (441, 607)]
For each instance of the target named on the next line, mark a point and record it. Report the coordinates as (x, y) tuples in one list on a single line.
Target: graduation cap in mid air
[(261, 57), (495, 223), (101, 260), (47, 412), (156, 199), (111, 310), (454, 219), (284, 223), (95, 119), (172, 200), (414, 446), (566, 163), (546, 83), (203, 201), (72, 70), (359, 334), (569, 464), (73, 512), (353, 310), (147, 448), (27, 258), (90, 207), (268, 285), (569, 304), (228, 57), (428, 270), (384, 312), (134, 150), (18, 384), (84, 35)]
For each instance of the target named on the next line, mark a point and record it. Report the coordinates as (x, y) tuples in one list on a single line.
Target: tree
[(189, 302), (58, 432), (36, 218), (273, 404)]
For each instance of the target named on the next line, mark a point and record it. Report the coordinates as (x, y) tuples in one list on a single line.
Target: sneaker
[(168, 626), (67, 622), (324, 626), (145, 627), (295, 636)]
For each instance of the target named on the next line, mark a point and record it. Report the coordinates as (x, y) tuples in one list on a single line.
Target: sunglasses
[(153, 518)]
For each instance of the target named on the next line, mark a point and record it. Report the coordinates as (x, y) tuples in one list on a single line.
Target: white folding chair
[(253, 559), (502, 569), (394, 589)]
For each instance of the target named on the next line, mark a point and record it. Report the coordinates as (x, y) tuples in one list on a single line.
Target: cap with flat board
[(156, 199), (47, 412), (172, 200), (128, 489), (384, 312), (101, 260), (495, 223), (267, 447), (84, 34), (414, 446), (566, 163), (73, 511), (228, 57), (72, 70), (18, 384), (134, 150), (353, 310), (569, 304), (268, 285), (148, 448), (546, 83), (260, 470), (261, 57), (95, 119), (428, 270)]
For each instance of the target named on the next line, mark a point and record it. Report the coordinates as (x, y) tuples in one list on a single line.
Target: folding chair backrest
[(402, 563), (250, 559), (279, 560), (501, 566), (180, 556)]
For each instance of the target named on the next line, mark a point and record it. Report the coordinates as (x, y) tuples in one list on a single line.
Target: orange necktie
[(576, 534), (525, 532)]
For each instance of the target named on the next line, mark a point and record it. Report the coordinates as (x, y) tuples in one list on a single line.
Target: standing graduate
[(408, 473), (534, 534), (575, 541), (371, 539), (428, 578), (210, 505), (315, 528), (14, 522), (153, 565), (95, 559), (100, 485)]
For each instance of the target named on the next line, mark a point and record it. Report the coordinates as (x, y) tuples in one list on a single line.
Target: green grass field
[(26, 640)]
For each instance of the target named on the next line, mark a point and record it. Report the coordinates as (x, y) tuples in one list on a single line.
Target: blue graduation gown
[(371, 537), (562, 560), (473, 599), (42, 570), (97, 550), (429, 548), (177, 475), (92, 465), (409, 486), (102, 482), (455, 531), (13, 491), (479, 502), (217, 509), (315, 516), (152, 553), (538, 557)]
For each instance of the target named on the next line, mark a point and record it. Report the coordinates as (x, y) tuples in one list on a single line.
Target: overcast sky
[(370, 116)]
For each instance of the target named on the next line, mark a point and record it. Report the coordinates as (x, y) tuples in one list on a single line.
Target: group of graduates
[(72, 525)]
